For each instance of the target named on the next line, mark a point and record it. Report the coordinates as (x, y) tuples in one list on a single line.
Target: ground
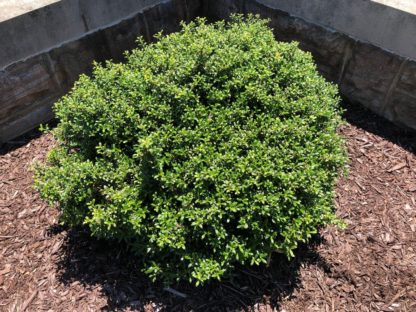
[(370, 266)]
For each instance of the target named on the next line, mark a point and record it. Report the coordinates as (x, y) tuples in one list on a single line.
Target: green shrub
[(214, 146)]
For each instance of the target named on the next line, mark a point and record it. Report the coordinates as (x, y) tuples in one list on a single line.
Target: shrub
[(214, 146)]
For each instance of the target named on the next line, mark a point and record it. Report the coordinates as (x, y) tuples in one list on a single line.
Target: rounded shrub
[(214, 146)]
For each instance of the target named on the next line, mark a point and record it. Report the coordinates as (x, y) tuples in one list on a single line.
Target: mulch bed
[(370, 266)]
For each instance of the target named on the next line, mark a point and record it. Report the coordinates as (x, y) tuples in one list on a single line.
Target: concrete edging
[(366, 73)]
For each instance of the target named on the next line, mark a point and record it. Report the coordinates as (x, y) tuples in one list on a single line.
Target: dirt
[(370, 266)]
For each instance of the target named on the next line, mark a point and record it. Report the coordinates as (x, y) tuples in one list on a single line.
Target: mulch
[(370, 266)]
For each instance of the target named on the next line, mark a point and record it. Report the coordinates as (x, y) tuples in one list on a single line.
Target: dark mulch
[(371, 266)]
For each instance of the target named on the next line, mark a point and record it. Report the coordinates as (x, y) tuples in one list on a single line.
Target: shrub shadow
[(363, 118), (114, 270), (24, 139), (18, 142)]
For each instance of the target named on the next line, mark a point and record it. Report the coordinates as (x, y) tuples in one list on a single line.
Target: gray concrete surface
[(404, 5), (13, 8)]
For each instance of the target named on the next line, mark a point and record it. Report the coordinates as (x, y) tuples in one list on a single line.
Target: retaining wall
[(43, 51), (367, 47)]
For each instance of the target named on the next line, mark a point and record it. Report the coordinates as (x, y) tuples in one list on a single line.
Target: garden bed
[(371, 266)]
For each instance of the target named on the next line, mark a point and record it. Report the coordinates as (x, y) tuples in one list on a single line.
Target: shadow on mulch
[(113, 269), (24, 139), (363, 118), (12, 145)]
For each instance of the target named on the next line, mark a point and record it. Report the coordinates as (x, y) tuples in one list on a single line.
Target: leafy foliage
[(214, 146)]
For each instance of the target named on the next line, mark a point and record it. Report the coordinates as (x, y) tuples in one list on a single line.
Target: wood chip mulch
[(370, 266)]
